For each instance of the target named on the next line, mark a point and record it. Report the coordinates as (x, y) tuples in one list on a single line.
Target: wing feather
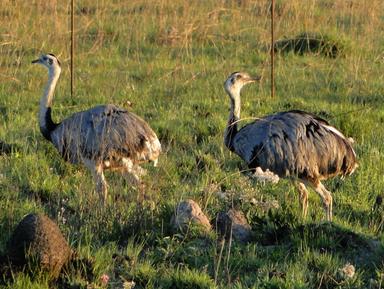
[(295, 143), (105, 132)]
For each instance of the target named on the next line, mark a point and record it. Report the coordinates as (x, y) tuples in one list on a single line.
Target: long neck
[(45, 118), (234, 116)]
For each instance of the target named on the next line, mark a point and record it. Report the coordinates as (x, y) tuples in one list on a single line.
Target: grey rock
[(233, 222), (189, 212)]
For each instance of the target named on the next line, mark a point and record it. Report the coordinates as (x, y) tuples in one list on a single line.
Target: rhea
[(292, 144), (103, 137)]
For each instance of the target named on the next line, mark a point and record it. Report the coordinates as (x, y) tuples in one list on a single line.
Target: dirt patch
[(308, 42)]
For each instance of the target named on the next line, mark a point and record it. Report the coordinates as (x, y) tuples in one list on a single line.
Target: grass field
[(170, 59)]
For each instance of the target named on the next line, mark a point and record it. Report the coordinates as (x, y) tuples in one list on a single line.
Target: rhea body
[(103, 137), (292, 144)]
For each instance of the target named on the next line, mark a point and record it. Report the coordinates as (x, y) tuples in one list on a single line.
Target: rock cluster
[(228, 224)]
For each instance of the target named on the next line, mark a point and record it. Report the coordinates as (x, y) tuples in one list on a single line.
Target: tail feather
[(349, 164)]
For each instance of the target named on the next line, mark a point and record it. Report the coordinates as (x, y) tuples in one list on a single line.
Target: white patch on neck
[(46, 100)]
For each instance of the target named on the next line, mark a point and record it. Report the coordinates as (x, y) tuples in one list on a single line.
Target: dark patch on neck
[(55, 57), (231, 132), (49, 125), (233, 73)]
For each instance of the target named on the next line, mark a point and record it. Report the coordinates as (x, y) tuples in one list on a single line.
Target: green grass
[(170, 59)]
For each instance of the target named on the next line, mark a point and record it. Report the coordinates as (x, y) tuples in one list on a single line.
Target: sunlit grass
[(170, 59)]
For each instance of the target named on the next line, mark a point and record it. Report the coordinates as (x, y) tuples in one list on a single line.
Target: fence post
[(272, 49), (72, 46)]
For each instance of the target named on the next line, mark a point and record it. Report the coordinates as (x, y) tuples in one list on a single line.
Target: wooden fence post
[(72, 45), (272, 49)]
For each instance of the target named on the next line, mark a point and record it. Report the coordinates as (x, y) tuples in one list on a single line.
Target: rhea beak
[(254, 79), (36, 61)]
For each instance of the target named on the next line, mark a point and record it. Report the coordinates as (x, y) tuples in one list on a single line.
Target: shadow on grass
[(309, 42), (6, 148), (279, 229)]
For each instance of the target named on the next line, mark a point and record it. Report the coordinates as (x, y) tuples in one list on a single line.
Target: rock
[(347, 272), (38, 240), (265, 205), (233, 222), (188, 212), (265, 176), (129, 284)]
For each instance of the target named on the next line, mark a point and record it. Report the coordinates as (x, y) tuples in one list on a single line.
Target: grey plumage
[(103, 137), (293, 144), (104, 133)]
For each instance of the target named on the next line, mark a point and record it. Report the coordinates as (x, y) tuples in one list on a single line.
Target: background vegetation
[(169, 59)]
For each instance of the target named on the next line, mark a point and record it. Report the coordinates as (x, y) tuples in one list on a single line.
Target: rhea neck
[(45, 118), (234, 115)]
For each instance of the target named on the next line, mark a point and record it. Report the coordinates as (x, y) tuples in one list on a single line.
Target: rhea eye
[(238, 76), (50, 61)]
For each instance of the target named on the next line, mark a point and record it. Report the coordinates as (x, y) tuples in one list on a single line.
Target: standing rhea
[(293, 144), (103, 137)]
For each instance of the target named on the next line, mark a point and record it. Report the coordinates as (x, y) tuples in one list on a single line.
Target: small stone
[(265, 176), (234, 222), (188, 212), (348, 271), (221, 195), (38, 240), (104, 279), (129, 284), (265, 205)]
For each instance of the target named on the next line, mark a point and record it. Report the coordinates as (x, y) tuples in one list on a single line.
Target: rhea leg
[(303, 197), (139, 171), (132, 173), (98, 176), (326, 198)]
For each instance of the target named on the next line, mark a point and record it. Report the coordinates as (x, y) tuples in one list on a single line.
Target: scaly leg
[(131, 173), (139, 171), (326, 198), (98, 176), (303, 197)]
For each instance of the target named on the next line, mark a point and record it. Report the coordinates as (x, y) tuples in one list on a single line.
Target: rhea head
[(236, 81), (48, 60)]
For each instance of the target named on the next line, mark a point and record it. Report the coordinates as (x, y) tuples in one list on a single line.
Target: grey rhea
[(292, 144), (103, 137)]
